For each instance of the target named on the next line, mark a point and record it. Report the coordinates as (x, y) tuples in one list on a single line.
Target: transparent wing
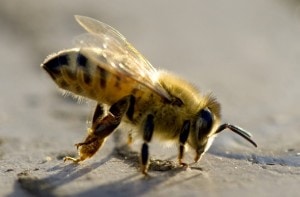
[(123, 58)]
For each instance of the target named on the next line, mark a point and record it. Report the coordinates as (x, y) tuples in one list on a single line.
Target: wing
[(123, 58)]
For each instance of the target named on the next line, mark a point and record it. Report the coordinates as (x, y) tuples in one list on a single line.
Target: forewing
[(122, 57)]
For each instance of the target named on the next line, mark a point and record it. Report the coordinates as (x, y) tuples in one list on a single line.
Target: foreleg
[(182, 140)]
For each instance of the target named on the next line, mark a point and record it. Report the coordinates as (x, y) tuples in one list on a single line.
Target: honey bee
[(155, 103)]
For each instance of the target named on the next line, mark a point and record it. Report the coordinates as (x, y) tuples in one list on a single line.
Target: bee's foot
[(146, 176), (144, 170), (75, 160), (184, 165)]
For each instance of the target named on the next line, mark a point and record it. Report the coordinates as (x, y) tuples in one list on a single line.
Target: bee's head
[(205, 127)]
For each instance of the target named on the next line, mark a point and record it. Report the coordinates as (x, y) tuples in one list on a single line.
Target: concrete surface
[(246, 52)]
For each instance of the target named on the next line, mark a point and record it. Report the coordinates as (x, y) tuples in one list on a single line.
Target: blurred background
[(246, 52)]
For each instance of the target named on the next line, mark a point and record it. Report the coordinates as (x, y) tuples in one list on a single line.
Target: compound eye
[(205, 123)]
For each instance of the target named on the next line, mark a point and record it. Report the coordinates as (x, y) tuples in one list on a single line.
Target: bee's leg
[(148, 132), (102, 128), (98, 113), (182, 140)]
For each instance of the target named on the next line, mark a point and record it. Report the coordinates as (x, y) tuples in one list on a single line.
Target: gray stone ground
[(246, 52)]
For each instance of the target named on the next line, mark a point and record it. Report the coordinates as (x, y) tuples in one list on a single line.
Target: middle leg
[(148, 132)]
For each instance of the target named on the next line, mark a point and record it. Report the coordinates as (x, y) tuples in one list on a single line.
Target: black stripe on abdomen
[(103, 76), (81, 60), (54, 65), (82, 63)]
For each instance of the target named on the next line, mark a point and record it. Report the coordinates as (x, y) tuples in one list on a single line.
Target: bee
[(154, 103)]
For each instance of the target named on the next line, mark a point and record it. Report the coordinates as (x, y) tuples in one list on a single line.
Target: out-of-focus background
[(246, 52)]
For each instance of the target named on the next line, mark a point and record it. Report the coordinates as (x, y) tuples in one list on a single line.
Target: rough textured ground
[(246, 52)]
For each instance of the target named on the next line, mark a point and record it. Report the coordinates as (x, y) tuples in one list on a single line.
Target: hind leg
[(101, 128)]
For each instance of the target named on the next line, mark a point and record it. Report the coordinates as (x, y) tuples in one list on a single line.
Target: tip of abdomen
[(54, 63), (70, 70)]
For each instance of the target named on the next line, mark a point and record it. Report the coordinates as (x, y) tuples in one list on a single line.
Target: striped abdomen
[(73, 71)]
